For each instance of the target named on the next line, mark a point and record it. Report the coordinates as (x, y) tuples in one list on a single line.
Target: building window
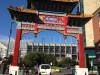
[(81, 6), (99, 16), (83, 30), (99, 19)]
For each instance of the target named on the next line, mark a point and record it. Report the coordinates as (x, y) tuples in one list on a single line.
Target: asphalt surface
[(69, 72), (51, 74), (63, 72)]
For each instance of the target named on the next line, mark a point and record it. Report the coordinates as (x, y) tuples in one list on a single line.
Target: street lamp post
[(9, 38), (43, 44), (42, 40)]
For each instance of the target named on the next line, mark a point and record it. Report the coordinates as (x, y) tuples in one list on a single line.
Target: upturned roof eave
[(80, 15), (97, 11), (21, 9), (29, 11)]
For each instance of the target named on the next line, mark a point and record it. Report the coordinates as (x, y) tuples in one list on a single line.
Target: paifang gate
[(34, 21)]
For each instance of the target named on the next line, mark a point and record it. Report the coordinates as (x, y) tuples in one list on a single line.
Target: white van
[(44, 69)]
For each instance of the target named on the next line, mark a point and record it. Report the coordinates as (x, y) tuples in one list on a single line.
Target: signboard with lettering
[(51, 19), (68, 55), (92, 56)]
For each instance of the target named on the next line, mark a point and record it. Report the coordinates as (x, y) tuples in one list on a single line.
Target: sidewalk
[(93, 71)]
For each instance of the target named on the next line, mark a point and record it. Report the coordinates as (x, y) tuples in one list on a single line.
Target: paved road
[(64, 72), (67, 74), (68, 71), (71, 72), (51, 74)]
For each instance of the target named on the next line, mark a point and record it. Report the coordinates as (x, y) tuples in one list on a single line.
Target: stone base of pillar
[(81, 71), (14, 70)]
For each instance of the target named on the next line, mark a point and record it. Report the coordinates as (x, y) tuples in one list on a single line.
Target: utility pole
[(9, 38)]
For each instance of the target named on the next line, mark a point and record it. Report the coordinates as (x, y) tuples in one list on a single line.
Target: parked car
[(57, 70), (44, 69), (67, 67), (72, 67)]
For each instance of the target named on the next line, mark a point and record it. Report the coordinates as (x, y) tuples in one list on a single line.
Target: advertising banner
[(68, 55)]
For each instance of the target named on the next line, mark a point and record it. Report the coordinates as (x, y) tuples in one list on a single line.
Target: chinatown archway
[(47, 21)]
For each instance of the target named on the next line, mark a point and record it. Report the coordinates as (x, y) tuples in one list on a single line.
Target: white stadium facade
[(60, 50)]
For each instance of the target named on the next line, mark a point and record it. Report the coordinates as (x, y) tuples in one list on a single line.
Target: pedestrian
[(36, 68), (7, 69), (23, 69)]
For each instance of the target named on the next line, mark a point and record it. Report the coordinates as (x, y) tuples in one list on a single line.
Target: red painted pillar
[(16, 48), (65, 25), (81, 51)]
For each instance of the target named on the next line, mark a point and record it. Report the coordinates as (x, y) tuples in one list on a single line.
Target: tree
[(34, 58), (74, 63), (50, 58), (31, 59), (67, 62), (41, 57)]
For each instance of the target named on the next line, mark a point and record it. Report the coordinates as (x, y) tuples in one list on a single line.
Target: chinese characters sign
[(51, 21), (74, 30), (48, 19)]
